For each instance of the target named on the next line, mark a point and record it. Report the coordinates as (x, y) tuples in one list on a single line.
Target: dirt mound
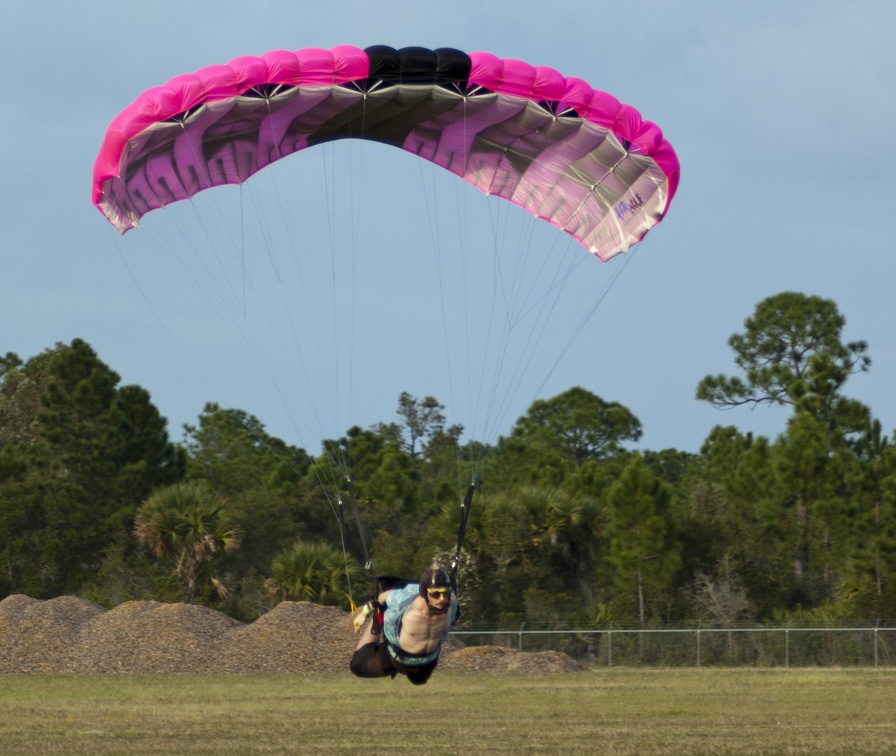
[(292, 637), (498, 659), (148, 636), (37, 636), (73, 635)]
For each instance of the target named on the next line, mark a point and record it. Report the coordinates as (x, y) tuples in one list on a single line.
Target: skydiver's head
[(435, 587)]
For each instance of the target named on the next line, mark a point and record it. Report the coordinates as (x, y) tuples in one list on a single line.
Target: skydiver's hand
[(371, 607), (359, 619)]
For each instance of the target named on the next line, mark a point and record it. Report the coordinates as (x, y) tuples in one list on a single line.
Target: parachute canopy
[(562, 150)]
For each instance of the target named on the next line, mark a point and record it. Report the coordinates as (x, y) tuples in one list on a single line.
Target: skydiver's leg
[(372, 660), (368, 636), (419, 675)]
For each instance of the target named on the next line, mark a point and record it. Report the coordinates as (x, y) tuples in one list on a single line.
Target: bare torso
[(421, 630)]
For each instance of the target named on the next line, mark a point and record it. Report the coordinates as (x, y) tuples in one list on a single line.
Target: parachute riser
[(465, 506)]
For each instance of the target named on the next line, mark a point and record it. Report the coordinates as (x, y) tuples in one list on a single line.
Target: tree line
[(570, 525)]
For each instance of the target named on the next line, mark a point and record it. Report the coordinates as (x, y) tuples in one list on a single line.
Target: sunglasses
[(438, 592)]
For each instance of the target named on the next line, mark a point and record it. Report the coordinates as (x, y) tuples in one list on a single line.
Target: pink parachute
[(565, 152)]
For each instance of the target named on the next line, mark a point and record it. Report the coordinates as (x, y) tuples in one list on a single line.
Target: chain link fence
[(783, 646)]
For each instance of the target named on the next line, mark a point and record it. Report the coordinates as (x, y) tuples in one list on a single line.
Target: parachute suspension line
[(430, 197), (473, 459), (368, 563), (355, 199), (329, 351), (286, 301), (546, 307), (348, 572), (430, 193), (333, 500), (336, 476), (434, 215), (242, 251), (492, 380), (499, 296), (186, 355), (327, 475), (344, 335), (629, 256), (238, 319), (188, 274), (461, 210), (264, 228), (465, 507), (488, 387), (210, 289), (217, 290), (327, 479), (329, 174), (207, 270), (338, 509), (522, 302), (303, 359), (198, 216)]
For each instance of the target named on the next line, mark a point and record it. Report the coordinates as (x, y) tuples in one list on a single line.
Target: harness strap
[(411, 660)]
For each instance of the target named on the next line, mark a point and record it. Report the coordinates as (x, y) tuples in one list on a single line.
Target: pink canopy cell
[(567, 153)]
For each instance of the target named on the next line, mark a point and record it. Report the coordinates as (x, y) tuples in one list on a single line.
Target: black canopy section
[(419, 65), (405, 88)]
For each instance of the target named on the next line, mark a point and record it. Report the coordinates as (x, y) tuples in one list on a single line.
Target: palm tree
[(311, 572), (187, 523)]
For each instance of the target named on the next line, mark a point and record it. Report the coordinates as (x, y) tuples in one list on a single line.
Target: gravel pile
[(147, 636), (498, 659), (292, 637), (72, 635), (37, 636)]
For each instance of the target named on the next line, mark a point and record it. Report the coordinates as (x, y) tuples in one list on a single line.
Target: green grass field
[(607, 711)]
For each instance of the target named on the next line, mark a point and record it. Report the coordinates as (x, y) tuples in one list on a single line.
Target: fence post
[(787, 646), (610, 646), (519, 643), (699, 623), (876, 626)]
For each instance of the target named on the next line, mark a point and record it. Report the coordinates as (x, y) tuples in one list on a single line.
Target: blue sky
[(781, 114)]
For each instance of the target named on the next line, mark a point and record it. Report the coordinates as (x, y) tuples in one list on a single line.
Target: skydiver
[(408, 624)]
